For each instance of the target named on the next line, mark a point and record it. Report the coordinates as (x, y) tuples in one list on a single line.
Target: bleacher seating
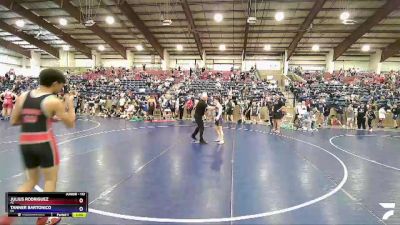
[(345, 87)]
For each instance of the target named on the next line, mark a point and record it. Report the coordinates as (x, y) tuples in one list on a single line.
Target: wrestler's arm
[(64, 111), (16, 116)]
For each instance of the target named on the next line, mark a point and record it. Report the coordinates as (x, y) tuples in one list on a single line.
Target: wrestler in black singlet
[(37, 141)]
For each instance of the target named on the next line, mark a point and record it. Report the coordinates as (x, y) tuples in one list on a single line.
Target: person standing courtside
[(361, 112), (34, 111), (218, 121), (198, 117), (278, 114)]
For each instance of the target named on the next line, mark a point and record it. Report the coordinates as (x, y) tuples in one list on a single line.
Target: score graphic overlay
[(59, 204)]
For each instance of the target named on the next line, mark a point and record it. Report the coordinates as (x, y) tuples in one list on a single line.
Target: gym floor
[(152, 173)]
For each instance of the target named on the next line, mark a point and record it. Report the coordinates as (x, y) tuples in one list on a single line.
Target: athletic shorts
[(8, 105), (42, 154), (151, 111), (218, 122), (277, 115)]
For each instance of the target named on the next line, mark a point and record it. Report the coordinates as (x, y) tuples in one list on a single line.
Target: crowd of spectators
[(346, 98), (141, 94)]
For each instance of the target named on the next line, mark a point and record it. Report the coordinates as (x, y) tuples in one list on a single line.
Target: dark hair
[(48, 76)]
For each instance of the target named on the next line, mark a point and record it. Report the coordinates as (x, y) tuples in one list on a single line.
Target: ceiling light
[(38, 34), (110, 20), (179, 47), (279, 16), (62, 21), (252, 20), (349, 22), (89, 23), (166, 22), (365, 48), (315, 48), (267, 47), (20, 23), (139, 47), (344, 15), (66, 48), (218, 17), (101, 48), (222, 47)]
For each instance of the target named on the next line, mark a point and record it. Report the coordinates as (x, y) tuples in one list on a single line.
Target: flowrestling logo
[(389, 213)]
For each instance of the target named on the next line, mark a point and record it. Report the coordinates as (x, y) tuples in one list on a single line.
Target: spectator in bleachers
[(349, 87), (110, 92)]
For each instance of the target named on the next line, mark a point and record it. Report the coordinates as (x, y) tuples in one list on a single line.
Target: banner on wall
[(313, 68), (185, 64), (222, 67), (263, 65), (30, 72)]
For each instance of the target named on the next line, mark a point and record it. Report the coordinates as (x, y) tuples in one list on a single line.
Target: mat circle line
[(66, 134), (358, 156), (222, 219)]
